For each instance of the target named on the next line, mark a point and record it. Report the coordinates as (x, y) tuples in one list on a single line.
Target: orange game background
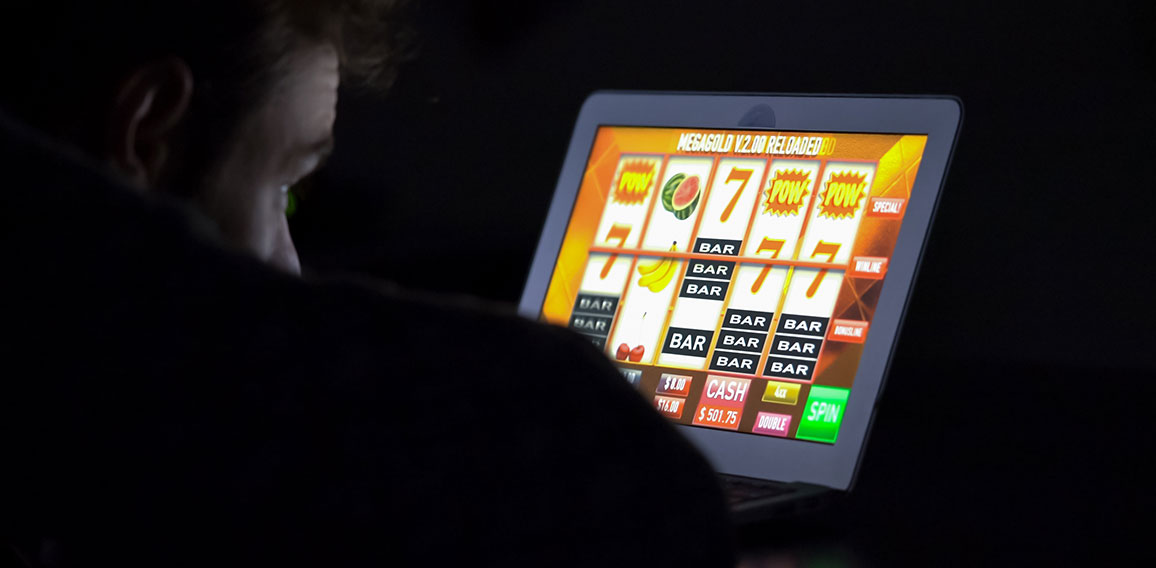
[(898, 157)]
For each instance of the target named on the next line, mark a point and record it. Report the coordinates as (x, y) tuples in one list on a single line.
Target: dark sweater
[(165, 401)]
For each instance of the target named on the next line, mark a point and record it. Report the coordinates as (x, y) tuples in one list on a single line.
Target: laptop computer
[(746, 260)]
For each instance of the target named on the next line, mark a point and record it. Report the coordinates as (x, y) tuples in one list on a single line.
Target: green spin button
[(823, 414)]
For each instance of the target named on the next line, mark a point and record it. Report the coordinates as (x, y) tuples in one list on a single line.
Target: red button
[(725, 391), (674, 385), (849, 331), (868, 267), (718, 416), (887, 207), (669, 406), (771, 424)]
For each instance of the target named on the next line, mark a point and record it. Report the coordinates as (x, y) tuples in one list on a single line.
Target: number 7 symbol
[(775, 245), (736, 174), (619, 233), (829, 249)]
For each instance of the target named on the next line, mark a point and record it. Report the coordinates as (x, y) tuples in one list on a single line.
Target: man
[(169, 399)]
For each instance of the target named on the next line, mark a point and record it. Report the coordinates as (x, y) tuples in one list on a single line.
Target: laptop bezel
[(938, 117)]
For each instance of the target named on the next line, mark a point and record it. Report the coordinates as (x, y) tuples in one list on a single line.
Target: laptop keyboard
[(743, 489)]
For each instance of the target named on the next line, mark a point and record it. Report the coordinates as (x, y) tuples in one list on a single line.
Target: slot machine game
[(732, 275)]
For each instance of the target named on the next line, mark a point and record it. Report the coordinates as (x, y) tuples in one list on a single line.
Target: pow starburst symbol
[(634, 182), (842, 195)]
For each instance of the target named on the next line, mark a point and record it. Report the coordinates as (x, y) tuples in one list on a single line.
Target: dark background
[(1018, 409), (1041, 250)]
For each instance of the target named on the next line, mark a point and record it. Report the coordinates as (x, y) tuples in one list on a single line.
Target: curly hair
[(366, 33)]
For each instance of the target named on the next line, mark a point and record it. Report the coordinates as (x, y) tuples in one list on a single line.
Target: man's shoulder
[(462, 334), (424, 314)]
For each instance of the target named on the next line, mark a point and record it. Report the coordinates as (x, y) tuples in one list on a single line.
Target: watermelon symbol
[(680, 195)]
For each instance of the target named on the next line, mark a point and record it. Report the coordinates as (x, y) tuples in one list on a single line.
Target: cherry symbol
[(623, 352), (636, 353)]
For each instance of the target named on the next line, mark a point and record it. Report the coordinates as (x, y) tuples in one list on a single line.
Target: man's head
[(226, 103)]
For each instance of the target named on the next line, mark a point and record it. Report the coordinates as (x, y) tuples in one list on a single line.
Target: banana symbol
[(657, 273), (649, 266)]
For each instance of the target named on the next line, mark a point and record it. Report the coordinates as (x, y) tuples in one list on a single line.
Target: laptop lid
[(746, 261)]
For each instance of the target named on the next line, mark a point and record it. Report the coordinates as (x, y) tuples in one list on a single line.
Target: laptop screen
[(733, 275)]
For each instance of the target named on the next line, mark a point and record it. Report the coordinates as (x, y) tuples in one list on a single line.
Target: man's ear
[(150, 104)]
